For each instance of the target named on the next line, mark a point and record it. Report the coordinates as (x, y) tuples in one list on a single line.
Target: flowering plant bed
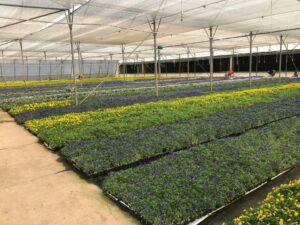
[(107, 154), (124, 98), (181, 187), (58, 131), (70, 81), (35, 106), (282, 206)]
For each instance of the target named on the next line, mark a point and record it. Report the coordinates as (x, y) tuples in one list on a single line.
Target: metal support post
[(22, 58), (155, 56), (188, 62), (2, 67), (250, 60), (91, 66), (50, 66), (70, 17), (143, 68), (123, 59), (105, 67), (179, 66), (137, 64), (80, 64), (40, 70), (159, 63), (15, 72), (166, 64), (280, 56), (286, 60), (256, 65), (195, 67), (27, 69), (45, 66), (99, 69), (110, 64), (61, 69), (211, 57), (231, 63)]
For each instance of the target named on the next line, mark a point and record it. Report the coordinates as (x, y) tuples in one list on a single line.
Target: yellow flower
[(39, 105), (281, 222), (56, 82)]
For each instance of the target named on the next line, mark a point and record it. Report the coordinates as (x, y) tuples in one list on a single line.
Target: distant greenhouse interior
[(149, 112), (16, 70), (140, 31)]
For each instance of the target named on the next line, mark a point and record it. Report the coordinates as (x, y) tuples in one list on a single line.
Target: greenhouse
[(161, 112)]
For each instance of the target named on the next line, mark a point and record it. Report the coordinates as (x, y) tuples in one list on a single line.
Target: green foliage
[(101, 155), (183, 186), (61, 130)]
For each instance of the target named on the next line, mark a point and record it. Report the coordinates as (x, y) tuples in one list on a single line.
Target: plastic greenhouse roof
[(102, 26)]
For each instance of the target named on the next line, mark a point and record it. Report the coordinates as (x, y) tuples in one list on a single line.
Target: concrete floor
[(37, 189)]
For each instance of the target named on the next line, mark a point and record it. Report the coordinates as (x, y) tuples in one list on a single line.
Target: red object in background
[(229, 73)]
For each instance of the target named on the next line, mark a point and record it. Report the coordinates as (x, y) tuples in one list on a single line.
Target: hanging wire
[(181, 12), (222, 9)]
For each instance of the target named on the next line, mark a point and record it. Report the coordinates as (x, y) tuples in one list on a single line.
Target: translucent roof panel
[(102, 26)]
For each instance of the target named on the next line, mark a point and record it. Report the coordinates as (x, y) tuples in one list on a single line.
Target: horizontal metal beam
[(32, 7), (36, 17)]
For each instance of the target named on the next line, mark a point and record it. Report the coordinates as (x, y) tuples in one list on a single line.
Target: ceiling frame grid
[(102, 26)]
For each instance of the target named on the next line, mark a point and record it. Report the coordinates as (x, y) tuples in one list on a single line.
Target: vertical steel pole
[(82, 64), (27, 69), (45, 66), (123, 59), (40, 70), (61, 69), (280, 56), (143, 68), (99, 69), (195, 66), (91, 66), (70, 17), (155, 56), (286, 60), (50, 66), (188, 62), (166, 64), (136, 64), (22, 58), (55, 71), (256, 61), (231, 63), (2, 68), (110, 64), (105, 67), (159, 63), (250, 60), (79, 57), (211, 57), (179, 66), (15, 75)]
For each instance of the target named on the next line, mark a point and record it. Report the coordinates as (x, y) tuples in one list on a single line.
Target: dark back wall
[(261, 62)]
